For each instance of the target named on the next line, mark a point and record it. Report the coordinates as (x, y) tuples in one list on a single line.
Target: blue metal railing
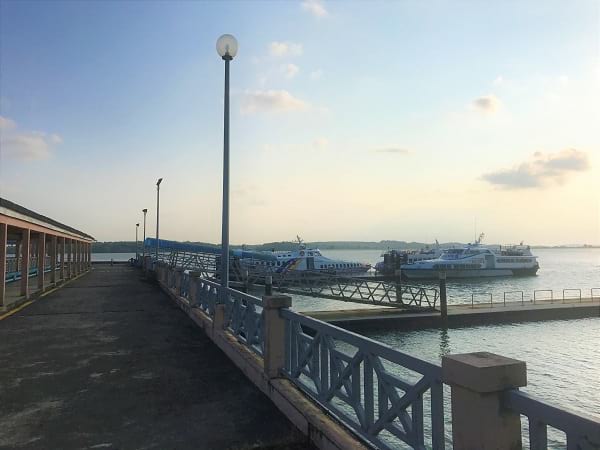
[(244, 318), (382, 395), (375, 390), (581, 432)]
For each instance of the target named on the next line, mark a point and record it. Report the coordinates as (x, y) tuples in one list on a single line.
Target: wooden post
[(25, 250), (478, 382), (3, 249)]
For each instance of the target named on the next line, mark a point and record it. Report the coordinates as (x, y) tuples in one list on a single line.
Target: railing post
[(478, 381), (178, 279), (274, 333), (194, 277), (219, 319)]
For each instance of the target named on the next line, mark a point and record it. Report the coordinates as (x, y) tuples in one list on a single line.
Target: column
[(17, 255), (76, 257), (3, 243), (90, 255), (478, 383), (25, 249), (69, 258), (41, 265), (274, 333), (53, 255), (62, 258)]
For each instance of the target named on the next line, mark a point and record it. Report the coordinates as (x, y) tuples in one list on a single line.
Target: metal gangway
[(205, 259)]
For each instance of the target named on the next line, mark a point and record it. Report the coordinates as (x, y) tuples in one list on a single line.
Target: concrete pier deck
[(109, 362), (460, 315)]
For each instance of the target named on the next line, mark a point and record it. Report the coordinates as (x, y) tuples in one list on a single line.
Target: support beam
[(41, 260), (3, 249), (25, 250), (53, 255)]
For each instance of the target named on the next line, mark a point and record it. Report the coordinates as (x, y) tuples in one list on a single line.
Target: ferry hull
[(430, 274)]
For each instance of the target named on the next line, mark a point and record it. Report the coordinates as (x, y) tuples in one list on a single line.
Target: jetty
[(155, 355)]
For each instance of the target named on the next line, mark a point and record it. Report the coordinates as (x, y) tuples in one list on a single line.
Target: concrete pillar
[(53, 255), (478, 381), (62, 258), (25, 250), (41, 256), (3, 244), (18, 255), (274, 333), (178, 280), (219, 319), (194, 277), (69, 249)]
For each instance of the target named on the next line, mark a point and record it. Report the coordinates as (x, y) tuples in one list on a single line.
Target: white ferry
[(301, 259), (476, 260)]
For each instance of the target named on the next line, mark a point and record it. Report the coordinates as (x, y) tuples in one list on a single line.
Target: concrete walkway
[(109, 362)]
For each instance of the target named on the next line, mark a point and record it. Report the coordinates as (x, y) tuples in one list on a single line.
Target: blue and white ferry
[(300, 259)]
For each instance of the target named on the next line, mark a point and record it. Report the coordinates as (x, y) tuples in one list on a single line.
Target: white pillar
[(3, 244), (25, 250), (41, 256)]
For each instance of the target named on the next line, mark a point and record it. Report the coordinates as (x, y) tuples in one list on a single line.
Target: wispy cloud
[(281, 49), (271, 101), (25, 145), (488, 104), (290, 70), (541, 170), (7, 124), (392, 150), (315, 7)]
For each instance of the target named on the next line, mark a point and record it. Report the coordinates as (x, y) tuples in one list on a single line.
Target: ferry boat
[(300, 259), (394, 259), (476, 260)]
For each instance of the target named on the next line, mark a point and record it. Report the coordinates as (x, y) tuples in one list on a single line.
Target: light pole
[(157, 209), (137, 247), (145, 210), (227, 48)]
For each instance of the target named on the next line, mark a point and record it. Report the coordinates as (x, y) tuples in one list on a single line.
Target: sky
[(372, 120)]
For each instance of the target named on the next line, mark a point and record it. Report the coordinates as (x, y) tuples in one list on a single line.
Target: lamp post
[(145, 210), (157, 209), (227, 48), (137, 247)]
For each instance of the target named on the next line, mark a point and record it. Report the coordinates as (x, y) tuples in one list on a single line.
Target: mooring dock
[(460, 315), (108, 361)]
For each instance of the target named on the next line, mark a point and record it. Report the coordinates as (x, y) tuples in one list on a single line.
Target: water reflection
[(444, 342)]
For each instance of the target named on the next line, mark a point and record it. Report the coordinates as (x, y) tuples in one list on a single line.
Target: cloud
[(488, 104), (498, 81), (6, 123), (541, 170), (280, 49), (394, 150), (25, 145), (315, 7), (271, 101), (316, 75), (290, 70)]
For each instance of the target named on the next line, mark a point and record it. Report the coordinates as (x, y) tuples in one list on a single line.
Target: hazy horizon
[(349, 121)]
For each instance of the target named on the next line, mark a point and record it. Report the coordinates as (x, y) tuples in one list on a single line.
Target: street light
[(157, 209), (137, 247), (145, 210), (227, 48)]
